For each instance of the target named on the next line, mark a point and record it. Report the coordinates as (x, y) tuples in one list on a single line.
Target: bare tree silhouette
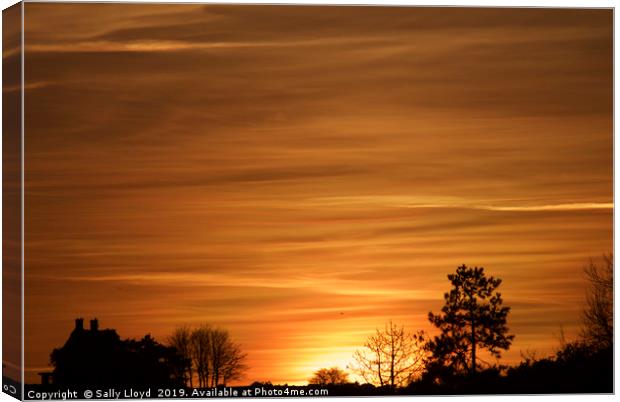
[(391, 357), (201, 353), (227, 359), (212, 355), (181, 340), (598, 315)]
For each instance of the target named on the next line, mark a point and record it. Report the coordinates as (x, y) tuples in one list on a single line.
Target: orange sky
[(301, 175)]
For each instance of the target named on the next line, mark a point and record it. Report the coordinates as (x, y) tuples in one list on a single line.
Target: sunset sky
[(302, 175)]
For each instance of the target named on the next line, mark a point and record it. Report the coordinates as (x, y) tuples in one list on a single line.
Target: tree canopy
[(473, 317), (329, 376)]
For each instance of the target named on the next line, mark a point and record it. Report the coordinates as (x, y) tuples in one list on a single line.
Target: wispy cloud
[(178, 46), (28, 86), (557, 207), (421, 201), (324, 285)]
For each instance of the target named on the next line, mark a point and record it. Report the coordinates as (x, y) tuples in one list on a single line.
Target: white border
[(449, 3)]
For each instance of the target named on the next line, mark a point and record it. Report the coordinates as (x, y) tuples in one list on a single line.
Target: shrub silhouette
[(329, 376)]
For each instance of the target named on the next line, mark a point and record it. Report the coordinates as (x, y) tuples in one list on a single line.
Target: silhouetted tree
[(472, 318), (201, 353), (227, 359), (218, 345), (181, 340), (152, 363), (329, 376), (391, 357), (598, 315), (234, 365), (212, 355)]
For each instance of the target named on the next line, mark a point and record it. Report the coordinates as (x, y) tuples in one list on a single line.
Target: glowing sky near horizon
[(302, 175)]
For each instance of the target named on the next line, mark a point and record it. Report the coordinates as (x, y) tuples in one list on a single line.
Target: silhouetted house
[(88, 357), (98, 357)]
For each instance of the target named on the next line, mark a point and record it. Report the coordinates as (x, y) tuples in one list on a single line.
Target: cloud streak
[(557, 207)]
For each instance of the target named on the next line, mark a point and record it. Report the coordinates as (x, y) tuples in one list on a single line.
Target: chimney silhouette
[(94, 325), (79, 324)]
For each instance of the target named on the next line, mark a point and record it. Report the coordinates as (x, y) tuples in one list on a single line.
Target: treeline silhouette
[(97, 357), (209, 354), (473, 320), (575, 368)]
